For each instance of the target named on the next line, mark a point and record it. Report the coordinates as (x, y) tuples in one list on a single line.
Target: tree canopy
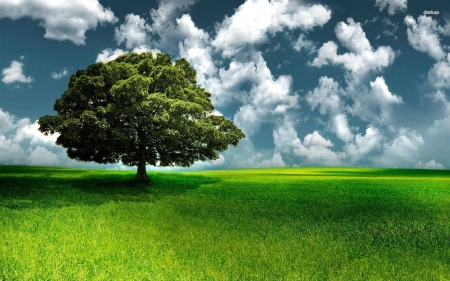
[(139, 110)]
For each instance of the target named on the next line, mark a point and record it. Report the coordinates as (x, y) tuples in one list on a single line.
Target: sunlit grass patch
[(249, 224)]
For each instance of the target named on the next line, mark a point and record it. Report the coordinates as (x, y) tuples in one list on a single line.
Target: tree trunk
[(141, 171)]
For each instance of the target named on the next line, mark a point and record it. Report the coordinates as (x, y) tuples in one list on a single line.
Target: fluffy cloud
[(430, 165), (29, 132), (10, 152), (316, 152), (133, 32), (303, 43), (109, 54), (341, 128), (402, 151), (6, 122), (439, 74), (261, 17), (362, 58), (363, 145), (440, 127), (61, 74), (275, 161), (423, 35), (267, 97), (62, 20), (368, 102), (393, 6), (42, 157), (196, 48), (439, 97), (14, 74), (325, 96)]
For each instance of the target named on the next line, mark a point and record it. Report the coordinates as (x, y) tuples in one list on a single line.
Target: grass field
[(250, 224)]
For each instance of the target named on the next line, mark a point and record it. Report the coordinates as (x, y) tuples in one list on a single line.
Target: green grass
[(249, 224)]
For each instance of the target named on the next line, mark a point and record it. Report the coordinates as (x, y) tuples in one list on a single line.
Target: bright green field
[(255, 224)]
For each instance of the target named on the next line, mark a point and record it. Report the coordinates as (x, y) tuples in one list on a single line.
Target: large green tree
[(139, 110)]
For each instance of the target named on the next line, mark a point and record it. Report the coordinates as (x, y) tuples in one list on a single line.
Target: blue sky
[(335, 83)]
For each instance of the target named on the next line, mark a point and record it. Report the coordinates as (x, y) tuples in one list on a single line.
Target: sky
[(358, 83)]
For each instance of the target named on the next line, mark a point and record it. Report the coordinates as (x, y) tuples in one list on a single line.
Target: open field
[(250, 224)]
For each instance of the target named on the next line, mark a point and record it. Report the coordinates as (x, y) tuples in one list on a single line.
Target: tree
[(139, 110)]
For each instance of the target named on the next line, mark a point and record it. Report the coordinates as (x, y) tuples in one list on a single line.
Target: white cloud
[(362, 58), (316, 152), (440, 127), (390, 33), (6, 122), (363, 145), (261, 17), (325, 96), (439, 97), (315, 139), (403, 151), (62, 20), (275, 161), (393, 6), (10, 152), (382, 93), (304, 43), (285, 137), (14, 74), (27, 131), (133, 32), (109, 54), (439, 75), (341, 128), (42, 157), (195, 48), (268, 96), (430, 165), (373, 105), (61, 74), (424, 36)]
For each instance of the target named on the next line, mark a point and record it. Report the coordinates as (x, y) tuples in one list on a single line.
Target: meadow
[(249, 224)]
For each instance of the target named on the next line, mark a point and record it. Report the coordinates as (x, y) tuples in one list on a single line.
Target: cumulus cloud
[(42, 157), (430, 165), (133, 32), (423, 35), (6, 122), (362, 146), (61, 74), (62, 20), (402, 151), (109, 54), (393, 6), (196, 48), (267, 97), (341, 128), (10, 152), (362, 58), (316, 152), (261, 17), (14, 73), (373, 105), (325, 96), (275, 161), (439, 74), (439, 97)]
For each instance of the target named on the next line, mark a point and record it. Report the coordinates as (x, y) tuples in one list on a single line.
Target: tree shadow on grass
[(55, 192)]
